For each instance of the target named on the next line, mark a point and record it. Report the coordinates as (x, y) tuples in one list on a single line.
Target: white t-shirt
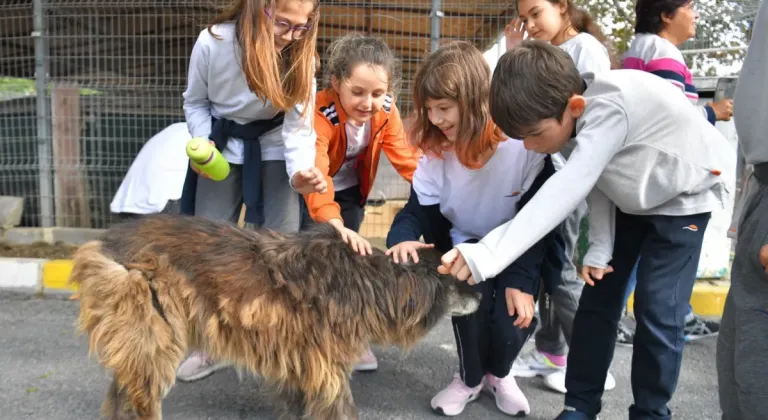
[(358, 137), (476, 201), (156, 175)]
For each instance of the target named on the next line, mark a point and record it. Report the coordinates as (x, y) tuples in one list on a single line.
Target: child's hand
[(764, 257), (453, 263), (401, 251), (590, 274), (723, 109), (357, 242), (197, 170), (514, 33), (309, 181), (520, 303)]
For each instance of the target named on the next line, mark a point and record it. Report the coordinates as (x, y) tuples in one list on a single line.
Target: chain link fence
[(85, 83)]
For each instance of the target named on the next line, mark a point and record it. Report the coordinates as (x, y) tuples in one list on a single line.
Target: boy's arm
[(602, 131), (602, 221), (524, 273)]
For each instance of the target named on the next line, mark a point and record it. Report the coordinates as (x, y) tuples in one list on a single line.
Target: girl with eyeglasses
[(251, 91)]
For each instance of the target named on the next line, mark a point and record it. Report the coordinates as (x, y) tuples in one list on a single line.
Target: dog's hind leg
[(338, 406), (117, 405), (288, 402)]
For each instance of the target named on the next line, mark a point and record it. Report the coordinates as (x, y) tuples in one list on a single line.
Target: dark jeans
[(487, 341), (668, 248), (352, 212)]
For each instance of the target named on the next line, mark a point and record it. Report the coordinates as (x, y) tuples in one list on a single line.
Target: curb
[(707, 299), (36, 275), (50, 276)]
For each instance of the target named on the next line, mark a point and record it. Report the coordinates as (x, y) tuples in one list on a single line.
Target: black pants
[(669, 248), (488, 341), (351, 211)]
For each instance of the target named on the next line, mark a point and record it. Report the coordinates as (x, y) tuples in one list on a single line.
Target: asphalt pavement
[(45, 374)]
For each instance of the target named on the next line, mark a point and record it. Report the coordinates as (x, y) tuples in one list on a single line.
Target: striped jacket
[(654, 54)]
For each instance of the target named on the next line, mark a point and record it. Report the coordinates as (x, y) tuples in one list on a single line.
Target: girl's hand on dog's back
[(357, 242), (401, 251)]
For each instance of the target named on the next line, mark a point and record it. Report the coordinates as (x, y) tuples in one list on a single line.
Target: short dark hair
[(648, 14), (532, 82)]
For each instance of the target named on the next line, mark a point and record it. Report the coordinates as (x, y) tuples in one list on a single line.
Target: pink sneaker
[(197, 366), (368, 362), (509, 398), (452, 400)]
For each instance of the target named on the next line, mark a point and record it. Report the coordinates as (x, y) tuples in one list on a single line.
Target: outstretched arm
[(602, 132)]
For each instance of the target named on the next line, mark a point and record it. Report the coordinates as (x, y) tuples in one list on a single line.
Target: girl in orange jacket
[(356, 119)]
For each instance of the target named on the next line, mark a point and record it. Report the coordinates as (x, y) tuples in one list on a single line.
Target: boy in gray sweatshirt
[(743, 342), (651, 173)]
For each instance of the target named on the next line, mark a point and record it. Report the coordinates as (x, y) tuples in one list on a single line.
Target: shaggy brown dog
[(297, 310)]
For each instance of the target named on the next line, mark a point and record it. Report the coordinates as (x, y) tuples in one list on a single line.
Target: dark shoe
[(571, 414)]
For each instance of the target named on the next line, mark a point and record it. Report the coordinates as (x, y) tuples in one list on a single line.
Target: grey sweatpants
[(222, 200), (742, 345), (558, 310)]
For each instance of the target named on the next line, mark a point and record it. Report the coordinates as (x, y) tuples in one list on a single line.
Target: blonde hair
[(284, 79), (457, 71)]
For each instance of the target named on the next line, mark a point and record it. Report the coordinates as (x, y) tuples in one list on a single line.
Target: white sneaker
[(534, 363), (556, 382), (197, 366)]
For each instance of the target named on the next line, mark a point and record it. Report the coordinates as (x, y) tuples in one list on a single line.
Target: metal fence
[(84, 83)]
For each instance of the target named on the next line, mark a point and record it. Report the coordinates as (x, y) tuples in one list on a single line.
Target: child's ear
[(335, 84), (576, 105)]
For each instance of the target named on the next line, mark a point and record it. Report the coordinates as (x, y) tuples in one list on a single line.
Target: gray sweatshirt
[(640, 147), (750, 105)]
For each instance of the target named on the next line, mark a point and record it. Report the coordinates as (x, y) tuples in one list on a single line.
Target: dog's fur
[(298, 310)]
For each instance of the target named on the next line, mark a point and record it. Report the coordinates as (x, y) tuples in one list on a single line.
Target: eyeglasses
[(282, 27)]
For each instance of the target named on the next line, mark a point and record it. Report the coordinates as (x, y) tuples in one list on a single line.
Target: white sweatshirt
[(216, 86), (640, 147)]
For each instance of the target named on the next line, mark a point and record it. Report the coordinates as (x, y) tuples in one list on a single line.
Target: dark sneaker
[(698, 328), (571, 414)]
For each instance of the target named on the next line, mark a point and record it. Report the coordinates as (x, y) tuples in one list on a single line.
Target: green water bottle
[(205, 157)]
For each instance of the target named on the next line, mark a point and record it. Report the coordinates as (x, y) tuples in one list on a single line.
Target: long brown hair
[(456, 71), (284, 79)]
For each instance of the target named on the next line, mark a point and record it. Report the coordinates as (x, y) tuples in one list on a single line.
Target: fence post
[(44, 150), (436, 15)]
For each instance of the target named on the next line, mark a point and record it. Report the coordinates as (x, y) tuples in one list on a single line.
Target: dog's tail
[(126, 330)]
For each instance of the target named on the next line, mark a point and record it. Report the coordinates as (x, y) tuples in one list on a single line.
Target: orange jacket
[(387, 134)]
